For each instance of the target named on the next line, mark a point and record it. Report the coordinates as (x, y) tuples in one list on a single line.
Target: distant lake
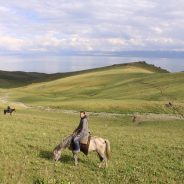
[(53, 64)]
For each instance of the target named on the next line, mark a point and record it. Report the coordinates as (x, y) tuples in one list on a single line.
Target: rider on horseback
[(81, 132), (8, 109), (81, 140)]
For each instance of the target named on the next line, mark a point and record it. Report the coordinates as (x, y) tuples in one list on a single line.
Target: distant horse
[(9, 111), (100, 145)]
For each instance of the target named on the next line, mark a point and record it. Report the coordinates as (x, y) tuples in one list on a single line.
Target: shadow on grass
[(46, 155), (68, 159)]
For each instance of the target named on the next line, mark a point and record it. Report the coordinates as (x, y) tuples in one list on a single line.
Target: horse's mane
[(65, 143)]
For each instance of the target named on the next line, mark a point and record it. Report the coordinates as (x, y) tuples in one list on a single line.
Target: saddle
[(84, 147)]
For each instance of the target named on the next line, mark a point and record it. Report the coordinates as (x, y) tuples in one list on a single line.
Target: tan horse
[(100, 145)]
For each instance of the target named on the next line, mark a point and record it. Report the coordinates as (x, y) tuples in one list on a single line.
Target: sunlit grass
[(149, 152)]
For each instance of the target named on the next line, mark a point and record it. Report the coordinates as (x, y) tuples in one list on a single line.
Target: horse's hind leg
[(103, 158), (100, 157), (104, 161), (106, 164)]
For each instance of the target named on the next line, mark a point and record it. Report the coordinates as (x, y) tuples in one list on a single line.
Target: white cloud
[(11, 43), (91, 25)]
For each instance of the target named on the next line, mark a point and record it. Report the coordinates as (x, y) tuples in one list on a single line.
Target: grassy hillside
[(17, 78), (135, 87)]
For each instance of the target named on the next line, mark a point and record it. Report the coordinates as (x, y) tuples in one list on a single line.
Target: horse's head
[(57, 154), (60, 147)]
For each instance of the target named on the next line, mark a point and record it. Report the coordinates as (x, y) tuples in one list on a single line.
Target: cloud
[(11, 43), (49, 26)]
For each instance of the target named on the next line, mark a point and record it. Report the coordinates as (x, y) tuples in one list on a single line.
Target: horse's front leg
[(75, 158)]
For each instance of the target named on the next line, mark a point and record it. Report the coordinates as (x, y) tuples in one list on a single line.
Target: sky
[(45, 26)]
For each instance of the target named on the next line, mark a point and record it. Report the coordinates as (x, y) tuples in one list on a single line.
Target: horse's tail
[(107, 149), (4, 111)]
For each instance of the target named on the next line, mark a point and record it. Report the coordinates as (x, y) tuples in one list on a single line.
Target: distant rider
[(8, 108)]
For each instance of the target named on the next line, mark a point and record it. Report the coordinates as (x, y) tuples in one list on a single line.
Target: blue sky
[(42, 26)]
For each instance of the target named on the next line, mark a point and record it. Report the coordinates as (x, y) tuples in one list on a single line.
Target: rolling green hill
[(16, 79), (12, 79), (135, 87)]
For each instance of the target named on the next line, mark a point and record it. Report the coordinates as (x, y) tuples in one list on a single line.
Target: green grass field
[(150, 150)]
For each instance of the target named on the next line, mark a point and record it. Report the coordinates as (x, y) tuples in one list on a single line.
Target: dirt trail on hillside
[(5, 100), (155, 117), (136, 117)]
